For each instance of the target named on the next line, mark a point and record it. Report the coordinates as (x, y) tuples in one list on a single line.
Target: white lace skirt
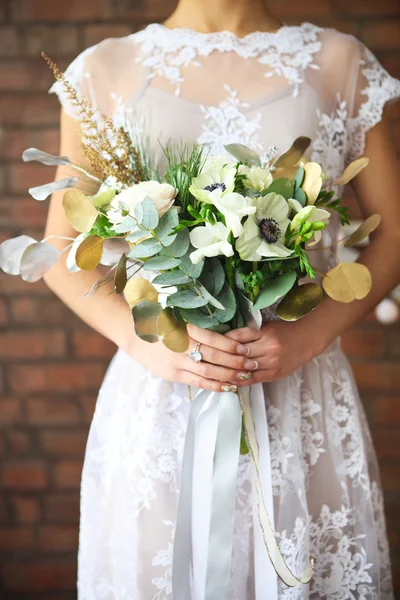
[(325, 481)]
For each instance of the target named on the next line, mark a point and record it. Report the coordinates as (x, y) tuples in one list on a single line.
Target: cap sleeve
[(374, 87), (100, 74)]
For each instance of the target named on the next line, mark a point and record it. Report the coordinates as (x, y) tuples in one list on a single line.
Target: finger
[(218, 357), (261, 376), (197, 381), (216, 340), (244, 335), (211, 371)]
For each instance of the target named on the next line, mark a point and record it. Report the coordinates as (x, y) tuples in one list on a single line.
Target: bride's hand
[(224, 361), (279, 349)]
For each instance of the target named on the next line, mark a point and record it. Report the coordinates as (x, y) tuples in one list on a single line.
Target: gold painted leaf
[(79, 211), (352, 170), (145, 315), (88, 253), (121, 275), (347, 282), (312, 181), (138, 289), (367, 227), (292, 156), (299, 302), (173, 333)]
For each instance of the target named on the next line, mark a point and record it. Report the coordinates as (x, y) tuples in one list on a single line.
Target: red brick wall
[(52, 365)]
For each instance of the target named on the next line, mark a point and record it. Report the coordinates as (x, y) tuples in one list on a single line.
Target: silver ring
[(196, 355)]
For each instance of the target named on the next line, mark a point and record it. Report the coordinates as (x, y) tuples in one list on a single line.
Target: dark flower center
[(215, 186), (270, 230)]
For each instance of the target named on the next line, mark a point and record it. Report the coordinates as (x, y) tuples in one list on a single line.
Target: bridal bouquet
[(210, 241)]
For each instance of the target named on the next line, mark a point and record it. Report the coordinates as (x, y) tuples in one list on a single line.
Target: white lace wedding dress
[(263, 90)]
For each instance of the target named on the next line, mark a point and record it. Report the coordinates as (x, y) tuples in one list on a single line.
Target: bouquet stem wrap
[(204, 530)]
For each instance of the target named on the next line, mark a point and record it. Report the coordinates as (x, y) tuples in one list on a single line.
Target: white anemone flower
[(220, 178), (257, 178), (234, 207), (308, 214), (210, 240), (264, 232)]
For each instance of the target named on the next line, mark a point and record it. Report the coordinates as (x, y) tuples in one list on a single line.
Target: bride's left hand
[(279, 348)]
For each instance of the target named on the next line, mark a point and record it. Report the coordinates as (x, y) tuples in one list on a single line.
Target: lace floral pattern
[(287, 52)]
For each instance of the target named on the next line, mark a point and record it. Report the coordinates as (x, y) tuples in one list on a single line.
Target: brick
[(157, 10), (15, 538), (390, 477), (47, 10), (91, 344), (11, 286), (50, 411), (89, 404), (64, 443), (93, 34), (300, 10), (19, 442), (385, 410), (67, 474), (379, 35), (9, 42), (391, 63), (28, 474), (37, 311), (30, 110), (387, 444), (67, 377), (363, 342), (367, 7), (20, 76), (61, 508), (55, 40), (58, 538), (10, 411), (3, 312), (14, 141), (39, 577), (377, 376), (32, 344), (25, 509), (393, 341), (24, 176), (25, 211)]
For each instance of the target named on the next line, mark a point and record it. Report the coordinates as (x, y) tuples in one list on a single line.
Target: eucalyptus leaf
[(33, 154), (300, 196), (228, 300), (88, 253), (113, 249), (173, 330), (213, 301), (166, 225), (213, 276), (121, 275), (146, 213), (71, 257), (146, 248), (37, 259), (137, 235), (220, 328), (103, 197), (189, 268), (171, 278), (179, 244), (127, 224), (161, 263), (292, 156), (186, 299), (145, 315), (11, 252), (41, 192), (79, 211), (275, 289), (299, 178), (199, 318), (281, 186), (251, 316), (244, 154)]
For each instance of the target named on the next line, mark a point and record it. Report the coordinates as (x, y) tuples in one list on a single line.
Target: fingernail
[(240, 349), (244, 376), (251, 365), (229, 388)]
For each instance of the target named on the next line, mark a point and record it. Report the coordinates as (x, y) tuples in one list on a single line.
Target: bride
[(224, 71)]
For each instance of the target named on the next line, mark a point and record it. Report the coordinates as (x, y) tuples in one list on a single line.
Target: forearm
[(333, 318)]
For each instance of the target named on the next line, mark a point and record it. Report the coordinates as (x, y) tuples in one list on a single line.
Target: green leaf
[(189, 268), (299, 178), (146, 213), (213, 301), (281, 186), (146, 248), (300, 196), (275, 289), (228, 300), (145, 316), (165, 227), (180, 243), (221, 328), (128, 224), (102, 198), (198, 318), (213, 276), (161, 263), (171, 278), (244, 154), (137, 235), (239, 280), (186, 299)]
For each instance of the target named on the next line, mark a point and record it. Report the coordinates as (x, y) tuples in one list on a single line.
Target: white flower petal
[(272, 206), (276, 249)]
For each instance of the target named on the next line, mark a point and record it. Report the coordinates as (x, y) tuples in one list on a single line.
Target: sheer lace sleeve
[(373, 89), (108, 74)]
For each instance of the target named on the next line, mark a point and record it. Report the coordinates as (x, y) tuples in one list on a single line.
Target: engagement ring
[(196, 355)]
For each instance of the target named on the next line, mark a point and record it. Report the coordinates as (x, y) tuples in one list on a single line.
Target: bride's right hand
[(224, 361)]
